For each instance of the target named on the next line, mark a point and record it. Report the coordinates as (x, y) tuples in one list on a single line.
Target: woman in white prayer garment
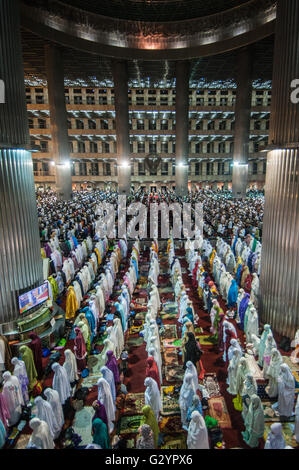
[(252, 323), (119, 337), (273, 372), (270, 344), (109, 377), (186, 396), (254, 422), (197, 432), (250, 388), (105, 397), (152, 396), (61, 382), (297, 420), (152, 352), (70, 365), (53, 398), (232, 371), (242, 371), (45, 413), (12, 394), (262, 345), (286, 391), (234, 344), (191, 369), (41, 436), (275, 439), (21, 373)]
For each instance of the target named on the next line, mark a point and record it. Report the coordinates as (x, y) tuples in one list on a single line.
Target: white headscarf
[(191, 369), (187, 391), (197, 432), (41, 436), (70, 365), (234, 344), (275, 439), (61, 382), (53, 398), (105, 397), (45, 413), (21, 373), (109, 377), (152, 395), (255, 421)]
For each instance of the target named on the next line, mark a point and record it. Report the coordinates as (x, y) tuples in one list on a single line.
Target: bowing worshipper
[(99, 412), (262, 344), (152, 352), (242, 371), (152, 396), (100, 434), (254, 422), (286, 391), (229, 333), (232, 295), (270, 344), (12, 395), (3, 434), (186, 396), (112, 365), (250, 388), (61, 382), (272, 373), (109, 377), (146, 439), (80, 349), (85, 333), (152, 370), (150, 419), (275, 439), (4, 412), (20, 372), (27, 358), (191, 369), (105, 397), (53, 399), (191, 350), (233, 371), (119, 337), (195, 406), (296, 431), (70, 365), (41, 437), (45, 413), (242, 309), (197, 432)]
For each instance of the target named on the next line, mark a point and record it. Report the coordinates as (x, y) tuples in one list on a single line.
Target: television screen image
[(33, 298)]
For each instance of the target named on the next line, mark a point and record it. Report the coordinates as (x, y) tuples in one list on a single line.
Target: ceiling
[(154, 10), (85, 69)]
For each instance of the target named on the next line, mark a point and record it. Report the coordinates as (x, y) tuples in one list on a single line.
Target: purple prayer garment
[(112, 365)]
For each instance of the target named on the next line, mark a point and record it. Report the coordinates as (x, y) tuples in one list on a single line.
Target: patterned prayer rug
[(204, 340), (22, 441), (211, 384), (170, 332), (272, 416), (170, 356), (218, 410), (170, 401), (254, 367), (134, 341), (82, 424), (171, 424), (171, 441), (172, 343), (129, 424), (287, 431), (170, 307), (134, 402), (261, 391), (174, 374), (168, 315), (91, 380), (165, 290)]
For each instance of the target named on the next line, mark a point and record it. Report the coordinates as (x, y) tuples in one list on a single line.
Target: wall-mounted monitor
[(33, 298)]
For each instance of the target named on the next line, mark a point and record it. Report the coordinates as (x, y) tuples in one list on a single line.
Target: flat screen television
[(33, 298)]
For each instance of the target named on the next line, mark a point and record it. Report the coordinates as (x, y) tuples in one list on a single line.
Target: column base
[(124, 180), (181, 181), (64, 182), (240, 181)]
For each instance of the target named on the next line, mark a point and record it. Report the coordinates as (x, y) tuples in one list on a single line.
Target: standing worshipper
[(191, 369), (152, 370), (196, 406), (297, 420), (197, 432), (286, 391), (186, 396), (12, 395), (20, 372), (152, 396), (254, 422), (262, 344), (192, 351), (112, 365), (27, 357), (45, 413), (150, 419), (36, 347), (3, 434), (272, 373), (108, 375), (105, 397), (100, 434), (61, 382), (52, 397), (70, 366), (146, 439), (99, 412), (41, 436), (80, 349)]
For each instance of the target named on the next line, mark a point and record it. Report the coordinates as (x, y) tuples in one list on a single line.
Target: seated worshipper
[(150, 419), (85, 333), (196, 406), (41, 438), (186, 396), (80, 349), (191, 369), (286, 391), (52, 397), (254, 422), (275, 439), (112, 365), (27, 358), (105, 397), (262, 344), (146, 439), (45, 413), (61, 382), (100, 434), (152, 396), (152, 370), (270, 344), (70, 365), (108, 375), (36, 347), (273, 372), (13, 398), (232, 371), (197, 432), (99, 412), (242, 371), (191, 351), (20, 372), (250, 388)]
